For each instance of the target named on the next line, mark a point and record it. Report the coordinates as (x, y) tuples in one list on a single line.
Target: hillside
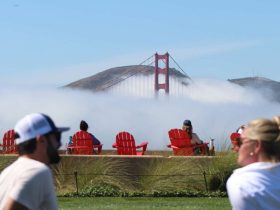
[(270, 89), (101, 81)]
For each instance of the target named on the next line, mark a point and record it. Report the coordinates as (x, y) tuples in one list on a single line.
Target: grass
[(6, 160), (137, 174), (141, 175), (144, 203), (132, 174)]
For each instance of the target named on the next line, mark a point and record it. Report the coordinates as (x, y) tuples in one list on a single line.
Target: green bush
[(220, 170), (101, 190), (104, 190)]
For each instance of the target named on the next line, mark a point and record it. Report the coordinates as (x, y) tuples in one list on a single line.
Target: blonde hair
[(268, 132)]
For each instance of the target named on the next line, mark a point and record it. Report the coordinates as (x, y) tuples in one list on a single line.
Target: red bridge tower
[(164, 71)]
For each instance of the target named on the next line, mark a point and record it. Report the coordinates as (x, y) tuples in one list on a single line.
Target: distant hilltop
[(269, 88), (102, 81)]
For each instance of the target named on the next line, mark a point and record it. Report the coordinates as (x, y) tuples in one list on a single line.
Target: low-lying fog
[(216, 108)]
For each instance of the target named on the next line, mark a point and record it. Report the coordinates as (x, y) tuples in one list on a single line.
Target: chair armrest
[(174, 147), (97, 145), (77, 147), (143, 145), (115, 145), (99, 148), (200, 145)]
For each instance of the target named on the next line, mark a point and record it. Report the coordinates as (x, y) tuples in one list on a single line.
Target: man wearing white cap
[(27, 183)]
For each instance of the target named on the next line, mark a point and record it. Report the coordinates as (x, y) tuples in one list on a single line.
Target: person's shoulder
[(91, 135), (196, 138), (243, 186), (257, 167), (29, 171), (252, 178), (195, 134), (33, 166)]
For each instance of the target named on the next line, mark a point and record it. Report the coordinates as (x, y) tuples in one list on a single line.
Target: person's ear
[(40, 139), (258, 147)]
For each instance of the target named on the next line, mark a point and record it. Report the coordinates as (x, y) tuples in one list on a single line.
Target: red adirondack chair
[(125, 145), (82, 144), (181, 143), (9, 144)]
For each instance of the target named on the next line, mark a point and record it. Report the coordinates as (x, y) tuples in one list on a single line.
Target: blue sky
[(57, 42)]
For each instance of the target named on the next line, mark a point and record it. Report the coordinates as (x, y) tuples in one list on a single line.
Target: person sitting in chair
[(84, 127), (187, 126)]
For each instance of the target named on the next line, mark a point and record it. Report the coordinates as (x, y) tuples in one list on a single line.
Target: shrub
[(220, 170), (110, 191)]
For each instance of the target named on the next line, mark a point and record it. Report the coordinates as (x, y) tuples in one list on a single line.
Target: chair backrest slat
[(125, 144), (82, 139), (9, 144), (180, 139)]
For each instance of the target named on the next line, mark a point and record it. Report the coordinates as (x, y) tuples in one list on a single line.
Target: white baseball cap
[(34, 125)]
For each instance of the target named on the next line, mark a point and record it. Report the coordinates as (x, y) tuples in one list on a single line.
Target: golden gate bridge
[(151, 77)]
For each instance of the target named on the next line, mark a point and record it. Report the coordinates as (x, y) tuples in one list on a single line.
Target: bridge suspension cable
[(179, 66), (146, 59), (113, 82)]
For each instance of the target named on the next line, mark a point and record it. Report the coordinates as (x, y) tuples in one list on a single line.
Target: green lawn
[(103, 203)]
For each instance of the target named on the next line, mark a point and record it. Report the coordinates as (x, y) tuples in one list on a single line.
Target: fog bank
[(216, 108)]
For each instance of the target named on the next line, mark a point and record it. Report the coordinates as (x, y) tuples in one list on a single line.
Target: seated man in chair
[(84, 127), (83, 138), (187, 126)]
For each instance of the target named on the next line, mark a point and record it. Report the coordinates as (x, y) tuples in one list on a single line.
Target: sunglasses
[(245, 140), (57, 137)]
